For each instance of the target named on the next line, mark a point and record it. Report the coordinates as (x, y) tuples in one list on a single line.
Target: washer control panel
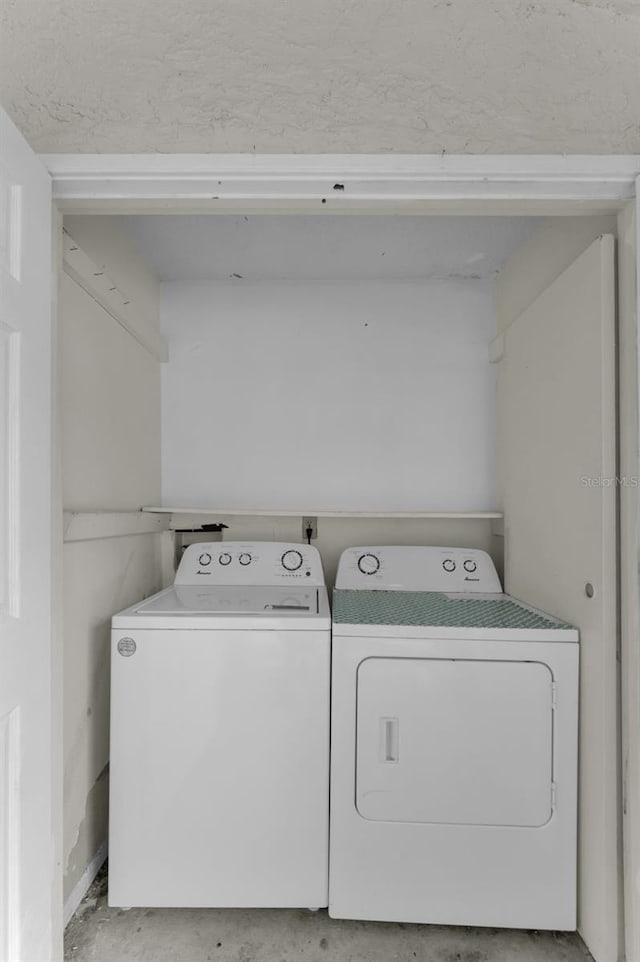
[(250, 563), (414, 568)]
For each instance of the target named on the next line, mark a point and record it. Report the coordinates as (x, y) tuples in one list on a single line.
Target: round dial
[(449, 564), (205, 559), (470, 565), (225, 558), (368, 564), (291, 560), (245, 559)]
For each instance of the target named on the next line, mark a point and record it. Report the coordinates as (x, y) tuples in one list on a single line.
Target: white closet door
[(558, 424), (26, 856)]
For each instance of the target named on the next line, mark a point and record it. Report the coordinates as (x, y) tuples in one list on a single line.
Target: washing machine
[(454, 746), (219, 774)]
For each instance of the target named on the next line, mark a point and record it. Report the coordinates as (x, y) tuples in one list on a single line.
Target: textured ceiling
[(415, 76), (325, 247)]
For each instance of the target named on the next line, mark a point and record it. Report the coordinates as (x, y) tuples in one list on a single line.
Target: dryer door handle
[(389, 739)]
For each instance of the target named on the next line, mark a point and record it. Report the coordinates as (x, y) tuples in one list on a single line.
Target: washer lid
[(233, 599)]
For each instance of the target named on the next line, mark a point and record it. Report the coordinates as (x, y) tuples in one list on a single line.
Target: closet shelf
[(97, 525), (320, 513)]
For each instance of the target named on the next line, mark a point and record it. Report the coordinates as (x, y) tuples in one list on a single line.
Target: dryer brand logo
[(127, 647)]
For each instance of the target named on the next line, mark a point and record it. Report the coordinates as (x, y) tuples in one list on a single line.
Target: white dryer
[(219, 779), (454, 746)]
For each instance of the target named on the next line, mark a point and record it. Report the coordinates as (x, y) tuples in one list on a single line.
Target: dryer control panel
[(416, 568), (250, 563)]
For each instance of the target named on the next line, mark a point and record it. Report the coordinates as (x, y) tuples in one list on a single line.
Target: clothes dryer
[(454, 745)]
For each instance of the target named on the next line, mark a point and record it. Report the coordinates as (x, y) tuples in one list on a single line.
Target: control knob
[(449, 564), (470, 565), (225, 558), (245, 559), (291, 560), (204, 559), (368, 564)]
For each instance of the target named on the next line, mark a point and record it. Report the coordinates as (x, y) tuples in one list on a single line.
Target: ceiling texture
[(341, 76)]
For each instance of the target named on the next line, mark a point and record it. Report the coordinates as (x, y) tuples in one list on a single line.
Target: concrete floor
[(100, 934)]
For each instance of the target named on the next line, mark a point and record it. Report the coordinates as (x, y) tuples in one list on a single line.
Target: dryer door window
[(454, 742)]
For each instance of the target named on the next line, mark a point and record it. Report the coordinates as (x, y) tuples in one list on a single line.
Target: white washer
[(219, 777), (454, 746)]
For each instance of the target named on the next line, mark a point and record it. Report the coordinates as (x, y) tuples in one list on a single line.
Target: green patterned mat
[(434, 608)]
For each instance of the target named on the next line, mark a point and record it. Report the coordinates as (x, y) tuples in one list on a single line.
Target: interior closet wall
[(532, 267), (556, 398), (372, 395), (629, 584), (110, 412)]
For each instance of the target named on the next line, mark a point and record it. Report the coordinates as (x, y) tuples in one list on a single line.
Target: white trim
[(391, 183), (334, 182), (321, 513), (103, 289), (497, 527), (630, 592), (57, 596), (96, 525), (84, 883)]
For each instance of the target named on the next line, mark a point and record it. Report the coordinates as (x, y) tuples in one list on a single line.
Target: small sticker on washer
[(126, 647)]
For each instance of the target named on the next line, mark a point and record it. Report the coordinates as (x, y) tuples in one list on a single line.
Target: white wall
[(328, 396), (629, 583), (110, 394), (527, 276), (105, 242), (542, 257), (532, 267), (110, 429), (330, 247), (100, 578)]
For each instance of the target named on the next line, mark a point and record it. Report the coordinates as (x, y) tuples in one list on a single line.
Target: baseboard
[(83, 884)]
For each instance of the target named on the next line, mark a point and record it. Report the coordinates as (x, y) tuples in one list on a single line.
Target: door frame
[(566, 185), (339, 183)]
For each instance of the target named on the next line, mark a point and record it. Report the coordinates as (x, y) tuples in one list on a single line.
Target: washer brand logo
[(126, 647)]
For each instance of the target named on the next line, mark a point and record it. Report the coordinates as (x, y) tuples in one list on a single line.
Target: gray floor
[(100, 934)]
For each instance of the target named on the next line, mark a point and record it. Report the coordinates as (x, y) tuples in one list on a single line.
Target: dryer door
[(454, 741)]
